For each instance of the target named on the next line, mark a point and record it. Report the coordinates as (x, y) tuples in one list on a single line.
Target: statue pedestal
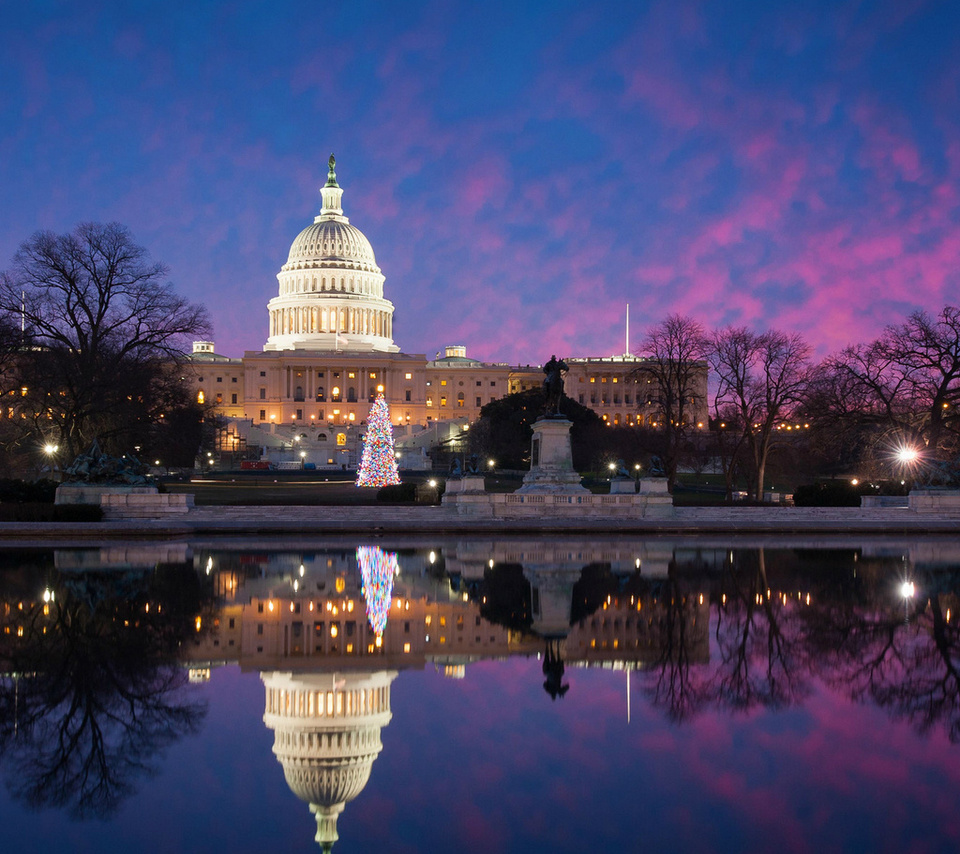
[(623, 486), (125, 502), (551, 460)]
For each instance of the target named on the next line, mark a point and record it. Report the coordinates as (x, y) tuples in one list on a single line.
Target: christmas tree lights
[(378, 465), (378, 569)]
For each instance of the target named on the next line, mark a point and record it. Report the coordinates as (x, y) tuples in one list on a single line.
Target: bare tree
[(100, 329), (904, 387), (761, 378), (675, 350)]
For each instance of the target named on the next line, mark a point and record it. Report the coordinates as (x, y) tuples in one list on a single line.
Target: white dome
[(331, 289), (331, 243)]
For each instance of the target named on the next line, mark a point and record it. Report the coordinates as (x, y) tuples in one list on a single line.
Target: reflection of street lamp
[(303, 456), (907, 590)]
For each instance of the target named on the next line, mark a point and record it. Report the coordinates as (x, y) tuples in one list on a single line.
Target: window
[(299, 415), (298, 393), (493, 382), (263, 414), (263, 394), (351, 395), (233, 379), (263, 373), (407, 394), (460, 400), (373, 375), (219, 379), (220, 398), (478, 401), (408, 376), (321, 437), (443, 382), (479, 383), (200, 397), (443, 400), (341, 439), (351, 375), (320, 394)]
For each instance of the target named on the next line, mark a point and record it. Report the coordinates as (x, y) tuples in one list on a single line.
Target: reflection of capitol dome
[(331, 289), (326, 736)]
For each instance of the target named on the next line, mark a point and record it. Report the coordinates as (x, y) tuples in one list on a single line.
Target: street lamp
[(50, 449), (303, 456)]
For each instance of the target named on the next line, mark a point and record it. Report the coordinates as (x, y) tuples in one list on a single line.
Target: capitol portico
[(330, 351)]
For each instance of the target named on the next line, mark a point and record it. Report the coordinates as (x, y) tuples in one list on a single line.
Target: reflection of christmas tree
[(378, 466), (378, 569)]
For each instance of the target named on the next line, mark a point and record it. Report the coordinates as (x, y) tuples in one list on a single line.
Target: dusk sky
[(523, 170)]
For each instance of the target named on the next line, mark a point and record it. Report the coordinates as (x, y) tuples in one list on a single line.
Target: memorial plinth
[(552, 488), (551, 461)]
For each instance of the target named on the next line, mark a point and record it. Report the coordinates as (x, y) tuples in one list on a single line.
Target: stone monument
[(118, 486), (551, 456)]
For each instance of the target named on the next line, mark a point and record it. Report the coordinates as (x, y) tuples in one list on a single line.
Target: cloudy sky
[(523, 169)]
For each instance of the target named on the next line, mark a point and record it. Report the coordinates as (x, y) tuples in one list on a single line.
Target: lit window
[(408, 376), (200, 397)]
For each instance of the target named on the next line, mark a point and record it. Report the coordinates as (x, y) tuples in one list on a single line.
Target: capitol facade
[(304, 398)]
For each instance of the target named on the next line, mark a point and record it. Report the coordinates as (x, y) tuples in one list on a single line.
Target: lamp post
[(50, 449)]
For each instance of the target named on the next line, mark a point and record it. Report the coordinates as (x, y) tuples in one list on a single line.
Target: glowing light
[(907, 455), (908, 590)]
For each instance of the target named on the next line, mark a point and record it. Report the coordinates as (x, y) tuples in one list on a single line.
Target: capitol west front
[(330, 350)]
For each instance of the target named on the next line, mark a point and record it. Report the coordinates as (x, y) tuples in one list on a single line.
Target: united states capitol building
[(305, 397)]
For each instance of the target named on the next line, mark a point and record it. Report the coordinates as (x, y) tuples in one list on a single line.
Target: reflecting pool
[(481, 695)]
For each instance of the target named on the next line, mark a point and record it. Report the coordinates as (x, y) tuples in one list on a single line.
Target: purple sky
[(523, 170)]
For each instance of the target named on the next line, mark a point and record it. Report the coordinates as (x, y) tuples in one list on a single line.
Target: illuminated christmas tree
[(378, 569), (378, 465)]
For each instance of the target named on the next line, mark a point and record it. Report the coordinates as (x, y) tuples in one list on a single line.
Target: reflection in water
[(90, 695), (377, 568), (326, 736), (89, 692)]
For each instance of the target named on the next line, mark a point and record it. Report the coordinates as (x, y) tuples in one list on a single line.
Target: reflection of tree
[(676, 685), (761, 656), (95, 691), (504, 596), (903, 657), (760, 641)]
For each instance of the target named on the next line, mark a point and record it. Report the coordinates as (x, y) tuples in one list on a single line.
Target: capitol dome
[(331, 289), (326, 736)]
